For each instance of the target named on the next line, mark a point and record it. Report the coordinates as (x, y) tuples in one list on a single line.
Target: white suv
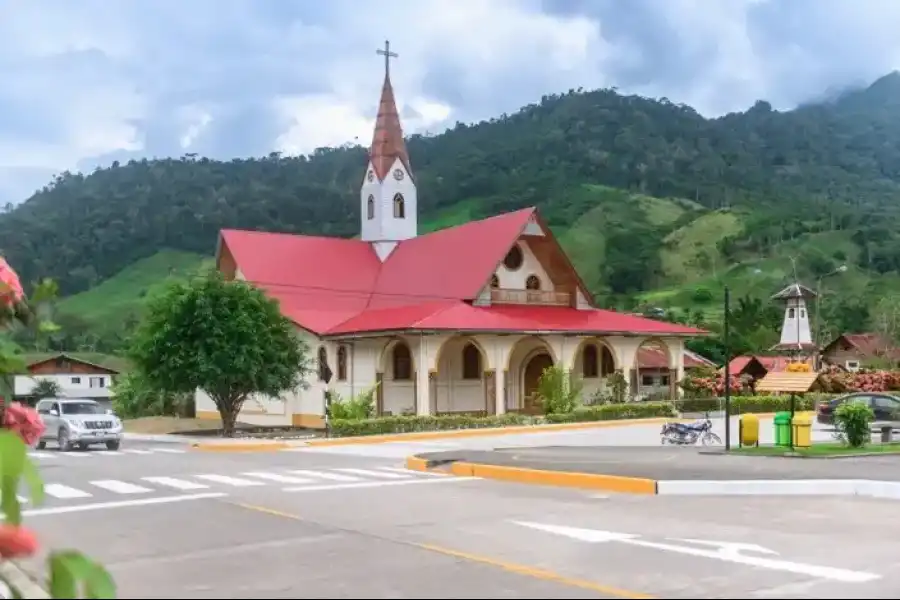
[(78, 422)]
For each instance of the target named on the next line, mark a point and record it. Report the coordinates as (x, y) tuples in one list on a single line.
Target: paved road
[(629, 436), (308, 525)]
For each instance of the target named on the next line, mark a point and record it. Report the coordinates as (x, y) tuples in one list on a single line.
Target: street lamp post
[(727, 343), (817, 322)]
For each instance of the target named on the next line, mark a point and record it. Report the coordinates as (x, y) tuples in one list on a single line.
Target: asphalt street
[(312, 525)]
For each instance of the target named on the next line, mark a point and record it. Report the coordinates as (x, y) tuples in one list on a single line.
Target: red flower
[(10, 287), (16, 542), (25, 421)]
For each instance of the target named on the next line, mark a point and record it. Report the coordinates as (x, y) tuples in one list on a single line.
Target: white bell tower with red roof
[(388, 200)]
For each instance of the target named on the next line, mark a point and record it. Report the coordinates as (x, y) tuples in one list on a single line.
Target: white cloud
[(88, 80)]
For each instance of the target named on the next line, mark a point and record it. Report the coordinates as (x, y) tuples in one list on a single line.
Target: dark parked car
[(885, 406)]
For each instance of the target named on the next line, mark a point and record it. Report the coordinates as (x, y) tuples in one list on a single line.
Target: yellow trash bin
[(749, 430), (801, 430)]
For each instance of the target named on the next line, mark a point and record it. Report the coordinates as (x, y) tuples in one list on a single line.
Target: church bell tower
[(388, 201)]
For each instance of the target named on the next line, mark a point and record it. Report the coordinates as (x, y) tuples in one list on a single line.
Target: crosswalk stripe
[(40, 455), (179, 484), (120, 487), (136, 451), (324, 475), (407, 472), (170, 451), (77, 455), (233, 481), (58, 490), (278, 478), (376, 474)]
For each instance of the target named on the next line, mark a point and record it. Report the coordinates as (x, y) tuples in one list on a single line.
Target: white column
[(500, 390), (423, 396)]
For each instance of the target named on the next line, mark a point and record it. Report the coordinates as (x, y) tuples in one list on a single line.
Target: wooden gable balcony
[(539, 297)]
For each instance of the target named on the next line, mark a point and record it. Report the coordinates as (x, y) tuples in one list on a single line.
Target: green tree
[(134, 396), (224, 337)]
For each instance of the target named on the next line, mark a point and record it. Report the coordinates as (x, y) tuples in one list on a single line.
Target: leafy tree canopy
[(226, 338)]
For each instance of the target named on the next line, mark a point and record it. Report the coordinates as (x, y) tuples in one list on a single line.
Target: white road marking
[(75, 454), (232, 481), (40, 455), (136, 451), (374, 473), (120, 487), (57, 510), (733, 553), (325, 475), (278, 478), (179, 484), (373, 484), (170, 451), (417, 473), (58, 490)]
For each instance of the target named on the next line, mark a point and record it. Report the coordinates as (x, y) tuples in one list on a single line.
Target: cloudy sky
[(86, 82)]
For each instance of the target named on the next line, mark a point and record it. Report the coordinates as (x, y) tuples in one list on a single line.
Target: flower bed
[(583, 414), (750, 404)]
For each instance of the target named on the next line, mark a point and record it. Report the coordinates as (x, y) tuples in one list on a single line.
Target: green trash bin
[(782, 428)]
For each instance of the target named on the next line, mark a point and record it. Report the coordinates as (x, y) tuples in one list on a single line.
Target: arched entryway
[(531, 377), (527, 360), (459, 381)]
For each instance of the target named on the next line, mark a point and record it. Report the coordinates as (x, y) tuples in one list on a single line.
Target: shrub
[(750, 404), (853, 423), (407, 424), (559, 390), (361, 406)]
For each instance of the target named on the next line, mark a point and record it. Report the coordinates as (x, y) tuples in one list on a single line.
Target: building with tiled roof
[(464, 319)]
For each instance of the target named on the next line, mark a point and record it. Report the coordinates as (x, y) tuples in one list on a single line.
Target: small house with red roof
[(461, 320), (851, 351)]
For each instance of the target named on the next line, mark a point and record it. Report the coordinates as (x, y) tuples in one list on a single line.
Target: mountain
[(658, 205)]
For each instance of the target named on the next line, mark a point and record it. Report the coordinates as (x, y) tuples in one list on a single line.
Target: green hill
[(659, 207)]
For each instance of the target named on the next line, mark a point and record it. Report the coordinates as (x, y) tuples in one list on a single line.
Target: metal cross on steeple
[(388, 55)]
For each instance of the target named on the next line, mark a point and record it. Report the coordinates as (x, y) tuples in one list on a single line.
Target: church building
[(461, 320)]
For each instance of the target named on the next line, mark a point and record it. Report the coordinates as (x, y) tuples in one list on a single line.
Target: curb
[(486, 432), (20, 580), (585, 481), (239, 447), (867, 488)]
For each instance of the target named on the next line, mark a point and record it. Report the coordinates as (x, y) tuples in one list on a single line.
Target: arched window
[(790, 313), (342, 363), (402, 362), (323, 364), (471, 359), (607, 363), (589, 361), (533, 283), (514, 258), (495, 281), (370, 207), (399, 207)]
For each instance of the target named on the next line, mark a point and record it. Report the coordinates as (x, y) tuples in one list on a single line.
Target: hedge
[(583, 414), (750, 404)]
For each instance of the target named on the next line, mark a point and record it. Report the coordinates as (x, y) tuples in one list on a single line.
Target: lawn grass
[(819, 450)]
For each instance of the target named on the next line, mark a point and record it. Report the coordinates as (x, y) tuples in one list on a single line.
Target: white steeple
[(388, 202), (795, 331)]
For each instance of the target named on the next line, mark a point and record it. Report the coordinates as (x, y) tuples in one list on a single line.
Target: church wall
[(384, 226), (515, 280)]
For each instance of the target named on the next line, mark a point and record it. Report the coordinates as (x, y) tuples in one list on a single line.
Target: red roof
[(654, 357), (333, 286), (769, 363)]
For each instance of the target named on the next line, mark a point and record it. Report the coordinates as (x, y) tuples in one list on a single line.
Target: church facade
[(461, 320)]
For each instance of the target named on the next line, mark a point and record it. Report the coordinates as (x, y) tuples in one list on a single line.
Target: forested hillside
[(657, 204)]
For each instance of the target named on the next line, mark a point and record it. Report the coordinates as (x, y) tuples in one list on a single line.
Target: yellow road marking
[(524, 570), (539, 573)]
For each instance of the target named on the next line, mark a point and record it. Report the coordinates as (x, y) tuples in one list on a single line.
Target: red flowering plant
[(709, 383), (838, 381), (72, 575)]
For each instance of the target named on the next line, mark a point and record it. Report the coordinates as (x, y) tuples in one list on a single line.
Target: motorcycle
[(687, 434)]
